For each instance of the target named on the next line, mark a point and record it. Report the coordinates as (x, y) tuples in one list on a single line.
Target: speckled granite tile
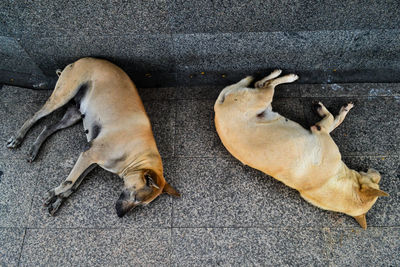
[(74, 18), (303, 51), (14, 58), (372, 127), (195, 131), (248, 247), (386, 211), (212, 92), (148, 53), (350, 89), (13, 94), (373, 247), (162, 118), (17, 182), (162, 93), (11, 243), (221, 192), (70, 141), (96, 247), (260, 16), (93, 204)]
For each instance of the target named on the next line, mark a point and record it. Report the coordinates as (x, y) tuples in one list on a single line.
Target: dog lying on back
[(117, 129), (306, 160)]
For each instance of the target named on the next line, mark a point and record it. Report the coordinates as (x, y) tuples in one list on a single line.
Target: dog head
[(140, 189), (368, 193)]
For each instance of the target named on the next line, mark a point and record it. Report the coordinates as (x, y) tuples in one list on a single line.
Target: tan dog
[(118, 131), (306, 160)]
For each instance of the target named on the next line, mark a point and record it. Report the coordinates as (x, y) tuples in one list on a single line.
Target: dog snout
[(124, 204)]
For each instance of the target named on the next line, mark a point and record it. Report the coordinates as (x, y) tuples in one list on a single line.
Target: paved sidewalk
[(228, 213)]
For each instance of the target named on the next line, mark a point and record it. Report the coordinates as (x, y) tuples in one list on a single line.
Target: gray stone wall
[(176, 42)]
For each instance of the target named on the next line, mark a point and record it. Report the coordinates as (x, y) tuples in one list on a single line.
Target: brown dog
[(118, 131), (308, 161)]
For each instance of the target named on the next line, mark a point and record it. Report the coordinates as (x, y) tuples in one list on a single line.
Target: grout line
[(22, 247)]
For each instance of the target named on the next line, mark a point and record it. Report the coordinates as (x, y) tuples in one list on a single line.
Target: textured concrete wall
[(170, 42)]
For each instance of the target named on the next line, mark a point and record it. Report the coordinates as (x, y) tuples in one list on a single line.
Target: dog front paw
[(53, 202), (53, 207), (14, 142), (49, 198)]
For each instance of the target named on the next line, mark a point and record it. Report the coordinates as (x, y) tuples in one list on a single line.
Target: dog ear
[(370, 192), (362, 220), (170, 190)]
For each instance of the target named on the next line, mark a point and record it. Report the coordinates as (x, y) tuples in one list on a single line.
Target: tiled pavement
[(228, 213)]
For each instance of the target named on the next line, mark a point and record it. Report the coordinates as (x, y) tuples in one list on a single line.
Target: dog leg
[(273, 75), (284, 79), (17, 139), (231, 88), (267, 92), (342, 114), (55, 197), (243, 82), (329, 123), (66, 88), (71, 116)]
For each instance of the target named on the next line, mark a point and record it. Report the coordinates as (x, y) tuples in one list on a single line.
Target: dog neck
[(147, 161), (339, 193)]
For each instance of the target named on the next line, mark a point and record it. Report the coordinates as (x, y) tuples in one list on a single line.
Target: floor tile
[(96, 247), (373, 247), (17, 183), (13, 94), (162, 118), (248, 247), (11, 243)]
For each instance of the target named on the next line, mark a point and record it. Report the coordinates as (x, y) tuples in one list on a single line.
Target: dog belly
[(285, 151), (105, 109)]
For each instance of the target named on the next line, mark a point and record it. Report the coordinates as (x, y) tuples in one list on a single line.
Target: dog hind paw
[(346, 107), (292, 77), (13, 142)]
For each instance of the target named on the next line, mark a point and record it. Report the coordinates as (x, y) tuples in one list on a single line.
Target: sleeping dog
[(306, 160), (118, 131)]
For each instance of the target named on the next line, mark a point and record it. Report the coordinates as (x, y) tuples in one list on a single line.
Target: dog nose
[(124, 203)]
